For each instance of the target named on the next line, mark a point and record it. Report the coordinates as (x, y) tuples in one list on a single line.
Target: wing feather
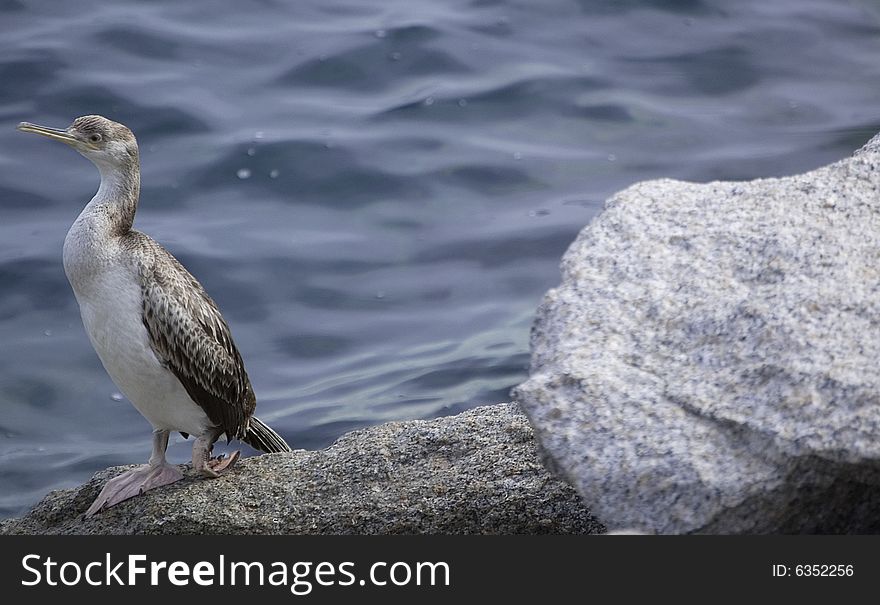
[(191, 338)]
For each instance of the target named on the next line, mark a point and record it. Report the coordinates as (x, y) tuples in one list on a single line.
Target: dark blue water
[(377, 193)]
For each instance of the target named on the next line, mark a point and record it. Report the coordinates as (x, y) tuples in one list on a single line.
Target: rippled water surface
[(377, 193)]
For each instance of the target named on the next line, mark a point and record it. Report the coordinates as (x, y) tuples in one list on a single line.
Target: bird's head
[(107, 143)]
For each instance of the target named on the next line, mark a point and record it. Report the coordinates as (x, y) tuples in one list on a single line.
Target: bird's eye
[(95, 138)]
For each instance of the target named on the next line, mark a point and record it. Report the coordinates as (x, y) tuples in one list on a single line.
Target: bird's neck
[(115, 203)]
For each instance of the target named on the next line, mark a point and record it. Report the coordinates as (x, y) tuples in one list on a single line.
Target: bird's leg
[(129, 484), (202, 461)]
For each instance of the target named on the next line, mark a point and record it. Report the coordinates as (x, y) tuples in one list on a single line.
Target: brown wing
[(188, 335)]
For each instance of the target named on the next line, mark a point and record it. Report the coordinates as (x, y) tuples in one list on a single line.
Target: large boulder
[(478, 472), (711, 359)]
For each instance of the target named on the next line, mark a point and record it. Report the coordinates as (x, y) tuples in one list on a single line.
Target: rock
[(709, 362), (477, 472)]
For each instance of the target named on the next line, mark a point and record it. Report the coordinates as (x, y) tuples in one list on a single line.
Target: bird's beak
[(52, 133)]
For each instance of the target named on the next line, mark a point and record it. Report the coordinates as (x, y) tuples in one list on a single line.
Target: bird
[(157, 332)]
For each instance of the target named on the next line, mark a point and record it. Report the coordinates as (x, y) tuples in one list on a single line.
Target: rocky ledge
[(711, 360), (477, 472)]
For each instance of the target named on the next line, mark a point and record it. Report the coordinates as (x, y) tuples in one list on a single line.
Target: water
[(377, 193)]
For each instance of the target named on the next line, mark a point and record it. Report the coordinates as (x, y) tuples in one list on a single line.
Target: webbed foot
[(133, 483)]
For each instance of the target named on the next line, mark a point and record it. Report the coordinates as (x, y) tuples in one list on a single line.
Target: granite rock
[(477, 472), (709, 362)]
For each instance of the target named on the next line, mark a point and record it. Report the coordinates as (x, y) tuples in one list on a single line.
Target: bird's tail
[(261, 437)]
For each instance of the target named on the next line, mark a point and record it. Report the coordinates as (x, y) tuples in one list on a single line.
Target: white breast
[(107, 288)]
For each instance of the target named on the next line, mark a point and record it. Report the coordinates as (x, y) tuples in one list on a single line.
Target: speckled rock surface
[(711, 360), (478, 472)]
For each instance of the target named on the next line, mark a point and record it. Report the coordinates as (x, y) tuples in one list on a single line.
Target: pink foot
[(133, 483), (214, 467)]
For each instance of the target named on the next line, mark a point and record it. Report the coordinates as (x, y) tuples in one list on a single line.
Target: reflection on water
[(377, 193)]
